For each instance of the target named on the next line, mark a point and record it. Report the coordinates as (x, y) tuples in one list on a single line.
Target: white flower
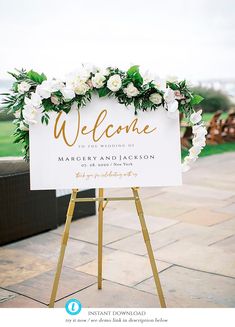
[(68, 93), (35, 100), (196, 117), (195, 150), (17, 114), (147, 77), (56, 85), (189, 159), (114, 83), (98, 80), (23, 87), (199, 141), (29, 113), (104, 71), (172, 106), (23, 126), (185, 167), (45, 89), (169, 95), (89, 68), (81, 88), (131, 90), (179, 96), (83, 75), (55, 100), (155, 98), (160, 83), (199, 130)]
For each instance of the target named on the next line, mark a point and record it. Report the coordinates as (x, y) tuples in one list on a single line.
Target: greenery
[(213, 99), (32, 91), (7, 147), (207, 116), (209, 150), (5, 116)]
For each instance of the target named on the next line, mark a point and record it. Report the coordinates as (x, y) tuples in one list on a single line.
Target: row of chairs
[(218, 130)]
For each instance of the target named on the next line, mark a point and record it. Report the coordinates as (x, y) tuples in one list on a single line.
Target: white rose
[(83, 75), (45, 89), (29, 113), (114, 83), (23, 126), (81, 88), (35, 100), (196, 117), (131, 90), (23, 87), (89, 68), (155, 98), (55, 100), (56, 85), (98, 80), (104, 71), (68, 93)]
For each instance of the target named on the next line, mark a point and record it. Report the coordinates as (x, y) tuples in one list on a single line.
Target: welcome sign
[(105, 145)]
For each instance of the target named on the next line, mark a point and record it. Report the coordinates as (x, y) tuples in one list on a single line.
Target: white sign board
[(105, 145)]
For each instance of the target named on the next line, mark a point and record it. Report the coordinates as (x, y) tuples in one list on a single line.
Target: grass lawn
[(207, 116), (8, 148)]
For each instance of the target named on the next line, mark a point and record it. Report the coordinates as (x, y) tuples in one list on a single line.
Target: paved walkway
[(193, 236)]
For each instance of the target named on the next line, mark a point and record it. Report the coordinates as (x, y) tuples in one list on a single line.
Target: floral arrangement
[(33, 96)]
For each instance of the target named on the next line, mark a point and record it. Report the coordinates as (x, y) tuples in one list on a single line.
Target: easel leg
[(100, 237), (149, 247), (64, 241)]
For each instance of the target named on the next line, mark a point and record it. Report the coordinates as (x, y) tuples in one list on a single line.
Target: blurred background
[(188, 39)]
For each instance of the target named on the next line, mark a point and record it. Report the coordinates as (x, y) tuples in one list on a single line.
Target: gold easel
[(102, 204)]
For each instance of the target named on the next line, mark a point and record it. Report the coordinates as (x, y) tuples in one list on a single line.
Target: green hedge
[(213, 99), (5, 117)]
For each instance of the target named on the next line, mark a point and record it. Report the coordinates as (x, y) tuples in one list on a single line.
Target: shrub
[(213, 100), (4, 116)]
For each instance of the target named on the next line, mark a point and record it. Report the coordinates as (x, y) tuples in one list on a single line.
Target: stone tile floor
[(192, 229)]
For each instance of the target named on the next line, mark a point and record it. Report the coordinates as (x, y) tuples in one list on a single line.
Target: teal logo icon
[(73, 306)]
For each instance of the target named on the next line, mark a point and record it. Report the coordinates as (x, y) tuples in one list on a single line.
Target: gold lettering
[(108, 131)]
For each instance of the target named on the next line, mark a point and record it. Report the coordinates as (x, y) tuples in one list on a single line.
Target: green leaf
[(196, 99), (138, 78), (173, 86), (34, 76), (132, 70), (48, 105), (103, 91)]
